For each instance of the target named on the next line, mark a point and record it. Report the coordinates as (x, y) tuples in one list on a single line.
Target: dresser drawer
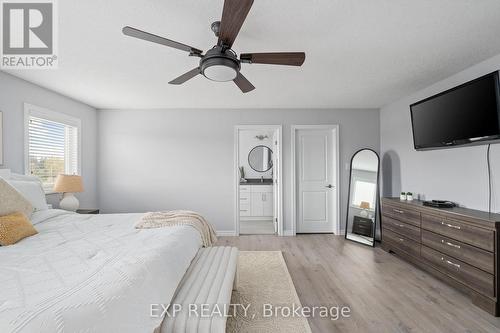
[(472, 277), (403, 214), (479, 237), (245, 197), (245, 210), (405, 244), (402, 228), (469, 254)]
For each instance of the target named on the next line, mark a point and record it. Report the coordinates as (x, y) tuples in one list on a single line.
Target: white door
[(316, 180), (257, 204)]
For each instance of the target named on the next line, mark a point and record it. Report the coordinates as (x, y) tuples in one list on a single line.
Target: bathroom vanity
[(256, 201)]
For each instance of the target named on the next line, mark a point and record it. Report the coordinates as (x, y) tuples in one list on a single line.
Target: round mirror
[(260, 158)]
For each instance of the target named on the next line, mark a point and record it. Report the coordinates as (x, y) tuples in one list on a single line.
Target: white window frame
[(31, 110)]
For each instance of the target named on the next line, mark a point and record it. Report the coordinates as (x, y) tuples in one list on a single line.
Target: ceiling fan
[(221, 63)]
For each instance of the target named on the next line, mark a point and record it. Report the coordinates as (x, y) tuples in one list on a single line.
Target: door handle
[(330, 186), (451, 225)]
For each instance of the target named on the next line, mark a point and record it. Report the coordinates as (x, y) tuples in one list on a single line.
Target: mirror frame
[(250, 164), (377, 198)]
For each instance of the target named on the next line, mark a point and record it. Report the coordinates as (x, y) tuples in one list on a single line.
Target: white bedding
[(91, 273)]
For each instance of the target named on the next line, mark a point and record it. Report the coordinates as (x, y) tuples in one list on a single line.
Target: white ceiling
[(359, 53)]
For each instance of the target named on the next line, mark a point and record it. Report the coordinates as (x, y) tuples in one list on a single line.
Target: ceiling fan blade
[(242, 83), (133, 32), (186, 76), (233, 16), (275, 58)]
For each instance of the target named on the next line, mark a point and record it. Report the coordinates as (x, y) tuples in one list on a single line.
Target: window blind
[(53, 149)]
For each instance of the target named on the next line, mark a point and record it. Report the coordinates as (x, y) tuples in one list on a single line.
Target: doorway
[(258, 189), (315, 179)]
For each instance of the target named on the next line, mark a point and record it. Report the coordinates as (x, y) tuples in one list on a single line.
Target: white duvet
[(91, 273)]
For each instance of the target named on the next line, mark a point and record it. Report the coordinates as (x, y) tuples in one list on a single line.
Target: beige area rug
[(264, 279)]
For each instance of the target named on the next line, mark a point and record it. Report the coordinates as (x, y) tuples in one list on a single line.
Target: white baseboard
[(290, 233), (223, 233)]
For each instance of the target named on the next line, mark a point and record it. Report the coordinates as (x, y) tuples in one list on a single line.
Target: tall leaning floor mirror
[(362, 205)]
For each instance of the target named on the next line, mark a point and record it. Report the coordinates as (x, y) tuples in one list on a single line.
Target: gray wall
[(14, 92), (175, 159), (457, 174), (248, 141)]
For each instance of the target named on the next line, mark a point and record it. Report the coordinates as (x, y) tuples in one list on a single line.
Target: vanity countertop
[(257, 181)]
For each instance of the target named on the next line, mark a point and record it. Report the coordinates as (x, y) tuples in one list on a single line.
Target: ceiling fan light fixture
[(220, 69), (220, 73), (221, 63)]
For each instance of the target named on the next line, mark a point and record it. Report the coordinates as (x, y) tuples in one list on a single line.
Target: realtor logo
[(28, 34)]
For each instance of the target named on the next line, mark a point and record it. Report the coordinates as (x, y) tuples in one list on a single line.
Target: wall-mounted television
[(465, 115)]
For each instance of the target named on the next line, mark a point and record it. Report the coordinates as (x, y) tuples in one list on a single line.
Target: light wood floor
[(256, 228), (385, 294)]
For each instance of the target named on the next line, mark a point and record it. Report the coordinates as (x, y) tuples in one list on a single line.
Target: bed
[(99, 273), (91, 273)]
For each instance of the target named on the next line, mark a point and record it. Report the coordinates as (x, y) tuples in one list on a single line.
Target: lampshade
[(364, 205), (68, 184)]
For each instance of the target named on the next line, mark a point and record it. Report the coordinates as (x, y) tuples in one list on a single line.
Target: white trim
[(288, 233), (225, 233), (334, 128), (237, 129), (37, 111), (237, 181)]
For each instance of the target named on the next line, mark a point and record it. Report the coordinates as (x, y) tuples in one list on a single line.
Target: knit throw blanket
[(179, 217)]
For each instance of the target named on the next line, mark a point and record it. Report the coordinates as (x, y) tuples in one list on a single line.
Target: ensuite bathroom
[(256, 184)]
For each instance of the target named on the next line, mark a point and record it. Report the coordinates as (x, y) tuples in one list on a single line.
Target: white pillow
[(32, 191), (27, 178), (5, 173)]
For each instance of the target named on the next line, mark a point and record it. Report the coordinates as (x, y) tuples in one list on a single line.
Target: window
[(364, 192), (52, 144)]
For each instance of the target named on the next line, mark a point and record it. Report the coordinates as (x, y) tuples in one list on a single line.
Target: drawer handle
[(451, 225), (401, 239), (243, 210), (401, 225), (450, 244), (451, 263), (243, 198), (398, 211)]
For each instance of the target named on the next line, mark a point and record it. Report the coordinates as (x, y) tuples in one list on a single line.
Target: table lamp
[(364, 205), (67, 185)]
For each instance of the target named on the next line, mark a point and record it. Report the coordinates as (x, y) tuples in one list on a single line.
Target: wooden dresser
[(457, 245)]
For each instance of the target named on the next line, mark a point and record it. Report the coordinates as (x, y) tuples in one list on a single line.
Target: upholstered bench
[(202, 300)]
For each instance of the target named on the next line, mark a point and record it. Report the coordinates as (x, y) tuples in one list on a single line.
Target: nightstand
[(87, 211)]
